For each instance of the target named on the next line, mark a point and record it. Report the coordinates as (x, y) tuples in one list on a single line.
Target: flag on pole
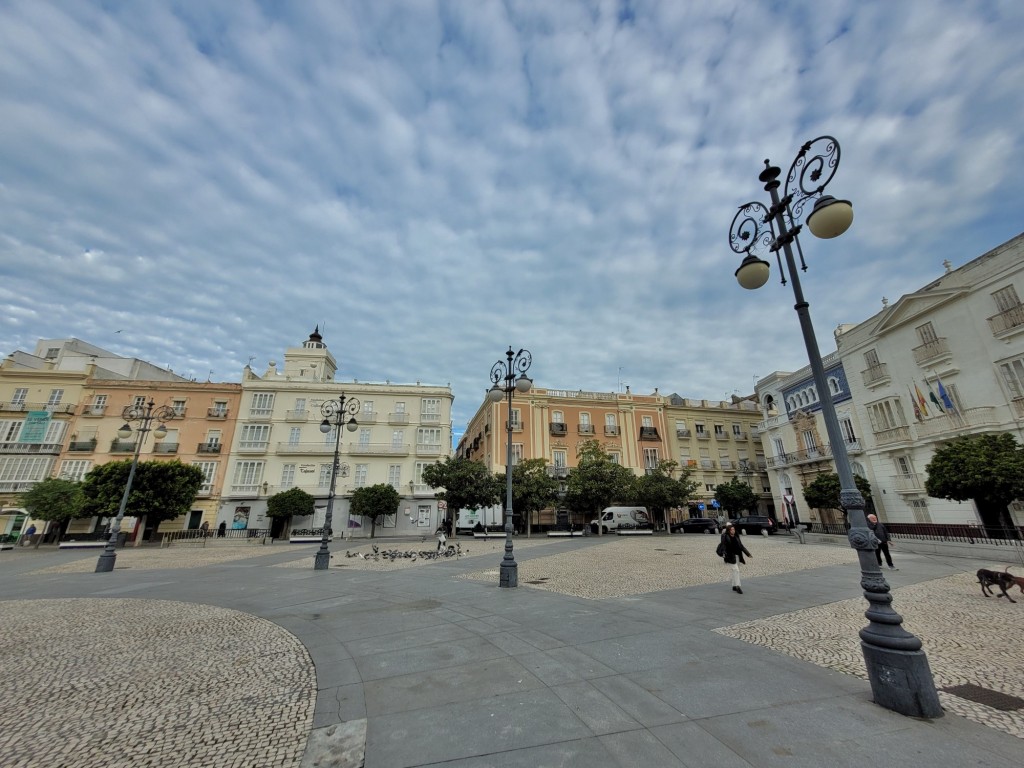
[(917, 411), (920, 399), (934, 399), (944, 396)]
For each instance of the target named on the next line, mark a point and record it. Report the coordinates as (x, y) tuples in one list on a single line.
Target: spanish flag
[(917, 411), (920, 399)]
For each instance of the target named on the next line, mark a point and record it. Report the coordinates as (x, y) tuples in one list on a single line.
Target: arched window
[(834, 386)]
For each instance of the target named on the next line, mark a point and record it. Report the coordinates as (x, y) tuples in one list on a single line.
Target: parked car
[(696, 525), (754, 524)]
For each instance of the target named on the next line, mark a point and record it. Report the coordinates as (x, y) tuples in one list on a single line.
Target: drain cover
[(990, 698)]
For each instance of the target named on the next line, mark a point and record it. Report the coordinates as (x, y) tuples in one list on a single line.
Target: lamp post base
[(509, 576), (322, 561), (105, 564), (901, 681)]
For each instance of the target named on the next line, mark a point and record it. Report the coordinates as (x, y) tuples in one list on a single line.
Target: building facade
[(278, 444)]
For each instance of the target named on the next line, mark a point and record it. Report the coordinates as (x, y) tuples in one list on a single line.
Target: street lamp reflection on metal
[(897, 667), (334, 413), (145, 414), (505, 383)]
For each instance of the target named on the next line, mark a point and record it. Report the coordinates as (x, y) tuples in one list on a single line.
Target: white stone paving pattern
[(149, 684)]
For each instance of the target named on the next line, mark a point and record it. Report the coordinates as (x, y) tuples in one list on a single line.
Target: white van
[(625, 518)]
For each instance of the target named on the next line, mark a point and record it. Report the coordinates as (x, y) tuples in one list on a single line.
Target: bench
[(490, 535), (635, 531), (308, 539), (82, 545), (565, 533)]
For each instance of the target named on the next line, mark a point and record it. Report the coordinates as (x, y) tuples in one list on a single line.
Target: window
[(871, 358), (698, 427), (262, 404), (428, 436), (515, 418), (558, 459), (293, 435), (360, 476), (52, 352), (209, 469), (780, 450), (99, 403), (75, 470), (557, 417), (330, 436), (810, 444), (646, 421), (609, 420), (248, 475), (680, 425), (55, 432), (834, 386), (650, 458), (19, 396), (585, 419), (300, 405), (139, 401), (287, 476), (431, 406), (903, 465), (926, 333), (709, 487), (178, 406), (220, 408), (1006, 299), (920, 509), (736, 430), (56, 395), (9, 431), (719, 430), (398, 438), (847, 427), (325, 475), (364, 436), (254, 436), (614, 457), (1013, 374), (517, 453), (705, 453), (395, 476), (24, 469), (886, 415), (368, 410), (213, 437), (400, 407)]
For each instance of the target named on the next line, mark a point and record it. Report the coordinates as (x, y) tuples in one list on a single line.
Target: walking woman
[(733, 551)]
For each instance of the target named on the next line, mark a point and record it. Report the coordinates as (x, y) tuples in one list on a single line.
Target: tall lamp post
[(144, 414), (897, 667), (505, 384), (337, 414)]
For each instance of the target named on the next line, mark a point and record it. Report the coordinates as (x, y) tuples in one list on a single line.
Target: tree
[(735, 496), (823, 491), (291, 503), (659, 492), (466, 484), (161, 490), (373, 501), (988, 469), (54, 500), (596, 482), (533, 489)]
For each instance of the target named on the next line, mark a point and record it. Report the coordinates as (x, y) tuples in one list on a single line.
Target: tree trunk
[(996, 518)]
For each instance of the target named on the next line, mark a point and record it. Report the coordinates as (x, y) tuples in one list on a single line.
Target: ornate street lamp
[(505, 384), (145, 414), (334, 413), (897, 667)]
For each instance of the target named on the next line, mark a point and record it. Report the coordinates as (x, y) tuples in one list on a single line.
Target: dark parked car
[(696, 525), (754, 524)]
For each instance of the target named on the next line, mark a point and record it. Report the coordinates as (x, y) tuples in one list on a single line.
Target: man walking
[(883, 541)]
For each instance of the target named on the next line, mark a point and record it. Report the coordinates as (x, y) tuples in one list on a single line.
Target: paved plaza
[(613, 651)]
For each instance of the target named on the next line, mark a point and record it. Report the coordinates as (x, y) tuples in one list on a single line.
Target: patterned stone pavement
[(968, 639), (149, 683)]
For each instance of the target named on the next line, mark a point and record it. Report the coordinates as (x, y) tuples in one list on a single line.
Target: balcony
[(585, 429), (398, 418), (122, 446), (21, 407), (876, 376), (367, 417), (707, 463), (1007, 323), (216, 413), (1018, 407), (179, 411), (94, 411), (947, 424), (910, 483), (932, 352), (691, 463), (430, 418), (649, 433), (421, 489), (252, 446), (30, 447), (206, 489), (726, 463), (208, 448), (260, 414), (300, 416), (378, 449), (517, 426), (558, 429), (721, 436), (428, 449), (739, 435), (305, 448), (165, 448), (701, 435), (611, 430), (682, 434), (779, 460), (557, 472), (892, 436), (82, 445)]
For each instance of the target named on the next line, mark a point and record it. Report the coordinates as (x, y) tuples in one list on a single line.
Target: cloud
[(433, 182)]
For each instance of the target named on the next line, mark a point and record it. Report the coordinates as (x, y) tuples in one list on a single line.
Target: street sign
[(701, 506)]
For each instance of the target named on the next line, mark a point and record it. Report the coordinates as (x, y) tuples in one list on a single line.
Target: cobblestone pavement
[(150, 683), (152, 559), (625, 566), (969, 639)]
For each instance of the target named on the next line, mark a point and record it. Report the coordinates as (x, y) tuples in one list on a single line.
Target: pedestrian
[(26, 537), (882, 534), (447, 527), (732, 550), (204, 529), (442, 539), (222, 528)]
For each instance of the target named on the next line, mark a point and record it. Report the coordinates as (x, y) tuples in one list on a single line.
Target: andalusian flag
[(934, 399), (920, 399)]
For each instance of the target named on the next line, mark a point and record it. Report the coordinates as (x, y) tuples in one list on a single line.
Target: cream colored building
[(278, 444)]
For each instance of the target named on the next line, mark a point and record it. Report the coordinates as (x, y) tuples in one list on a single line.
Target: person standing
[(882, 534), (732, 551), (26, 537), (442, 539)]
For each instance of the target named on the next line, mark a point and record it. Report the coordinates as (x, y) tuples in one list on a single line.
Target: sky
[(201, 184)]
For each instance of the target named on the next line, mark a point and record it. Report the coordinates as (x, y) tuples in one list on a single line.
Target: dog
[(999, 579), (1018, 580)]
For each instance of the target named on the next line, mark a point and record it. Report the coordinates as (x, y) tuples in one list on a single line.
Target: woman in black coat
[(733, 551)]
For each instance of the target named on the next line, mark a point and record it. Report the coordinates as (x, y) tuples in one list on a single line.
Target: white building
[(961, 336), (401, 428)]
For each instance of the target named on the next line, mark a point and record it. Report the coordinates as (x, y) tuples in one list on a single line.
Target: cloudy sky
[(201, 183)]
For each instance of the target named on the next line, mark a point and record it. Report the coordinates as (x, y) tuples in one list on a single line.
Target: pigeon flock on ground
[(391, 555)]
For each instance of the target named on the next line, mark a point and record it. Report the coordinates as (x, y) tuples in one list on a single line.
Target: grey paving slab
[(576, 753), (466, 651), (639, 747), (599, 712), (694, 747), (636, 701)]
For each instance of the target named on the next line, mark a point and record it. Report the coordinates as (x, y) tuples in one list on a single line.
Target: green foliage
[(736, 496), (533, 489), (290, 503), (596, 482), (373, 501), (986, 468), (466, 484), (161, 490), (823, 491), (659, 492), (54, 499)]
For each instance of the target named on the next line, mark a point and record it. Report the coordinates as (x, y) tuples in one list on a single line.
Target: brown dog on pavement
[(999, 579), (1018, 580)]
